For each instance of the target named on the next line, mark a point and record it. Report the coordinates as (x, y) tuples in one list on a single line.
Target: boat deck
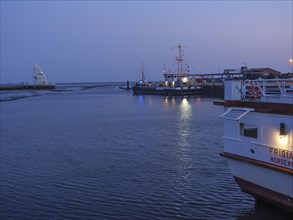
[(263, 107)]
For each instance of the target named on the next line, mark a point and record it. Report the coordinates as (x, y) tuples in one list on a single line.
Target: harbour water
[(103, 153)]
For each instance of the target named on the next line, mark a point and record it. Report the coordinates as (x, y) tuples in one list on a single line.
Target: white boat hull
[(258, 139), (266, 184)]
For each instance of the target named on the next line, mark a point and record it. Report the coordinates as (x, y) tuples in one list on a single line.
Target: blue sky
[(102, 41)]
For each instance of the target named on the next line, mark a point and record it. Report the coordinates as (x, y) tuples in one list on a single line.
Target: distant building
[(252, 73), (255, 73)]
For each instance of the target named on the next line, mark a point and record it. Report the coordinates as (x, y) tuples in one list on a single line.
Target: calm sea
[(87, 152)]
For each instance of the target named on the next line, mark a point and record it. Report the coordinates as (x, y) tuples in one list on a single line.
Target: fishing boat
[(175, 84), (258, 138)]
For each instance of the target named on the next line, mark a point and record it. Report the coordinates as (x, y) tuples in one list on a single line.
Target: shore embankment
[(26, 86)]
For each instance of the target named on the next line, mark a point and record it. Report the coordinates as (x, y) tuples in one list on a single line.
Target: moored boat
[(175, 84), (258, 138)]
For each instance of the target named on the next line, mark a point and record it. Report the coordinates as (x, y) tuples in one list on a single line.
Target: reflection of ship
[(258, 138), (178, 83)]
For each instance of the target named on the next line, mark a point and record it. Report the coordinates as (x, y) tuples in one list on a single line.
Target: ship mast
[(142, 72), (39, 76), (180, 59)]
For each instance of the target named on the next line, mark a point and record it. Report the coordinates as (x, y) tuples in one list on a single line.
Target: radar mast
[(180, 59)]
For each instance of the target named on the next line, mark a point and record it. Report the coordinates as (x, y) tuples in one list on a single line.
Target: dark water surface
[(103, 153)]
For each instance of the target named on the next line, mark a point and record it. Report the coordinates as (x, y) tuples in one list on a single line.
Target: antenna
[(142, 72)]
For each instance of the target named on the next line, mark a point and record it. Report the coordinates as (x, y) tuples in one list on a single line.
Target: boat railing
[(276, 90)]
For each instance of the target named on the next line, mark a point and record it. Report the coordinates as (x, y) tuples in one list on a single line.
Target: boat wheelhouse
[(258, 138)]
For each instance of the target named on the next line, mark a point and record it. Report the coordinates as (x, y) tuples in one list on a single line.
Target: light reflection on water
[(184, 160), (106, 154), (169, 101), (183, 123)]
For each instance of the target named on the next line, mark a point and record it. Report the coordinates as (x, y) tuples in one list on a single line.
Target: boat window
[(248, 130)]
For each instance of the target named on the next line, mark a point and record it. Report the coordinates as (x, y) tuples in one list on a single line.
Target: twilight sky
[(103, 41)]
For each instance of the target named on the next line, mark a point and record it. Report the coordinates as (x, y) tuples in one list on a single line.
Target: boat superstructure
[(182, 74), (258, 138)]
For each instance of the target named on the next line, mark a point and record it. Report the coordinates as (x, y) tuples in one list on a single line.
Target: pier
[(212, 89), (39, 82), (27, 87)]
